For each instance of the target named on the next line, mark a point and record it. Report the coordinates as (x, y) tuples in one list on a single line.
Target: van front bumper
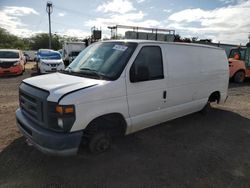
[(47, 141)]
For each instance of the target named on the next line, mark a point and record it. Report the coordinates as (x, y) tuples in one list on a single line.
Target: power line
[(40, 21)]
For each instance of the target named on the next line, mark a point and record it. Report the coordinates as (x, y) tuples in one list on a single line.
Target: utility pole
[(49, 9)]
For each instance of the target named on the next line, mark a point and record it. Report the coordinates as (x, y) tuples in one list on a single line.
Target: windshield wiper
[(92, 72)]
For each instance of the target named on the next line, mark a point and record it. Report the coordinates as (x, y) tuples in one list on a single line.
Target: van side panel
[(214, 73), (184, 73), (195, 73)]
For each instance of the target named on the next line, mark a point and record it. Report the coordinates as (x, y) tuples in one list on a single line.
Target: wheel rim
[(242, 76), (102, 145)]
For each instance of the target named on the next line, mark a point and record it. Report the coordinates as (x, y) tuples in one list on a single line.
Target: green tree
[(8, 40), (41, 40)]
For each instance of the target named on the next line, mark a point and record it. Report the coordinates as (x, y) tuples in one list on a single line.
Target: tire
[(22, 71), (207, 108), (99, 142), (239, 77), (37, 68)]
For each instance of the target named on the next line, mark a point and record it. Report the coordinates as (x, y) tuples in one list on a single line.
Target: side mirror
[(141, 75)]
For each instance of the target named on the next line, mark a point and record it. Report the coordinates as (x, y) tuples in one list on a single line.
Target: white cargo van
[(116, 88)]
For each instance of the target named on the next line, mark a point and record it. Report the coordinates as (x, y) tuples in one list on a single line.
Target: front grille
[(54, 65), (33, 103), (7, 64), (29, 105)]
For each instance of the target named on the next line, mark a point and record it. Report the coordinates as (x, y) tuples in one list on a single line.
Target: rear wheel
[(206, 109), (239, 77)]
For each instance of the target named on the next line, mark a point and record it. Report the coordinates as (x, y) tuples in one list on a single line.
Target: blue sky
[(226, 21)]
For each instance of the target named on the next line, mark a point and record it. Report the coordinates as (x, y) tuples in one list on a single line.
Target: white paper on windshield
[(120, 48)]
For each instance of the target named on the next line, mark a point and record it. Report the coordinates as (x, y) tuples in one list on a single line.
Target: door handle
[(164, 94)]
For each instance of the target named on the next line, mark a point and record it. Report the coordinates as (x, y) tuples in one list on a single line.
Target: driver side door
[(146, 87)]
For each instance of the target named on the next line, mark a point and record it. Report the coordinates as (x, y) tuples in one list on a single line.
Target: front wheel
[(239, 77), (99, 142)]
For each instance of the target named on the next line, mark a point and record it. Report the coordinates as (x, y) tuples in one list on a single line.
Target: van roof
[(162, 42)]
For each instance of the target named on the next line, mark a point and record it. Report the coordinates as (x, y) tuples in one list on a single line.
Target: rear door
[(146, 87)]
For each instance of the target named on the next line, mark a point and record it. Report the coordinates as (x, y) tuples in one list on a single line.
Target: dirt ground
[(192, 151)]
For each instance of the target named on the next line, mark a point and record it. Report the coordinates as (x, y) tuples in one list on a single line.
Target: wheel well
[(241, 70), (214, 97), (114, 123)]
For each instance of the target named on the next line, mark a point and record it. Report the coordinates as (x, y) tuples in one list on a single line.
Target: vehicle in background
[(73, 55), (12, 62), (239, 64), (39, 52), (60, 51), (70, 47), (115, 88), (31, 54), (27, 57), (49, 61)]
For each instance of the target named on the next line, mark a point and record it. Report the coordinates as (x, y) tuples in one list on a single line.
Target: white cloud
[(167, 10), (10, 19), (19, 11), (75, 33), (133, 19), (227, 1), (61, 14), (227, 24), (119, 6), (140, 1)]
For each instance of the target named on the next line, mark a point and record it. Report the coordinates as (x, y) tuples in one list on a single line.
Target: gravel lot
[(192, 151)]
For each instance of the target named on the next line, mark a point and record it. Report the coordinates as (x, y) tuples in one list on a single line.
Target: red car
[(12, 62)]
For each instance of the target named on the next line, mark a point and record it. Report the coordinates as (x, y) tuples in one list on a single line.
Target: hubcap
[(102, 145)]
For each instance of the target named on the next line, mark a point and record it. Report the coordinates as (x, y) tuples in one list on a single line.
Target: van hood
[(59, 84)]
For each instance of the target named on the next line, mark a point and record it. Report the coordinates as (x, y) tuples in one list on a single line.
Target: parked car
[(239, 63), (116, 88), (39, 52), (49, 61), (12, 62)]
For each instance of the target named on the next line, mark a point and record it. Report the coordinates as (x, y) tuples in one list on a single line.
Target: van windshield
[(239, 51), (9, 54), (104, 60)]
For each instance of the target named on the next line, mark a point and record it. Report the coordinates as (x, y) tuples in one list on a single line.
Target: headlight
[(43, 63), (65, 116), (65, 109), (16, 63)]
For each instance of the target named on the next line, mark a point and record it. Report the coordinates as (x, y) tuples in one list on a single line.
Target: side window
[(148, 65)]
